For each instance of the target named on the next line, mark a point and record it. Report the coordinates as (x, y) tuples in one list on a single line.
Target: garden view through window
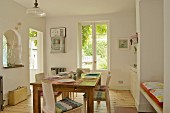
[(94, 46)]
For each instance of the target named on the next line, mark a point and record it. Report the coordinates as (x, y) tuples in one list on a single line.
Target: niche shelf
[(15, 66)]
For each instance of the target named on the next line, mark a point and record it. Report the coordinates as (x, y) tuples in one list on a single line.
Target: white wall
[(166, 56), (11, 14), (122, 25), (150, 58), (151, 40)]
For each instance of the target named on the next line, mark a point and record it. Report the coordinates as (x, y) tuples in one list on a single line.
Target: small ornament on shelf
[(134, 39), (135, 48)]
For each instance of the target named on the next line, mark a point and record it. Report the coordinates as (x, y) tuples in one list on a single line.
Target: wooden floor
[(117, 98)]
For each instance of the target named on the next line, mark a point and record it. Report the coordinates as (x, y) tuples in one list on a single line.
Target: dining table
[(85, 83)]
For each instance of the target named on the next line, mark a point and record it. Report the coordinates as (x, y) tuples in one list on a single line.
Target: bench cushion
[(157, 96), (151, 85), (155, 91)]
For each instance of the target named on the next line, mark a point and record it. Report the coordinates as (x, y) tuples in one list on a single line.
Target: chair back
[(108, 79), (39, 77), (48, 96), (107, 93), (52, 73), (79, 71)]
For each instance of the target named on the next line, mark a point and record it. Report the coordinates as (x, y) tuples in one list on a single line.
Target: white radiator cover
[(59, 69)]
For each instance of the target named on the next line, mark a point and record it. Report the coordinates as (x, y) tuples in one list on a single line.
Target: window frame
[(79, 43)]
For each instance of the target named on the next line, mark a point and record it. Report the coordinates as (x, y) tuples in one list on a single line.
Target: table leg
[(90, 101), (36, 100), (65, 94)]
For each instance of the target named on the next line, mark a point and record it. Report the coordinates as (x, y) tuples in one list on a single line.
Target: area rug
[(121, 98)]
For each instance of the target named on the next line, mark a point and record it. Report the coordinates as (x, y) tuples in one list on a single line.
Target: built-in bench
[(151, 91)]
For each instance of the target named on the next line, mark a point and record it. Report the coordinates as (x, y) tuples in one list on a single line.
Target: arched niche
[(12, 49)]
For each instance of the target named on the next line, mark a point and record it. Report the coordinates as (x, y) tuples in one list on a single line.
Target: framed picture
[(123, 43), (60, 31), (57, 44)]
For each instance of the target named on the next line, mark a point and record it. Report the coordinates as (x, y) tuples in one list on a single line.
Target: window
[(4, 50), (94, 46), (33, 48)]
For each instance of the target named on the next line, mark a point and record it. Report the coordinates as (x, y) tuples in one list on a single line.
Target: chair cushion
[(100, 95), (101, 88), (66, 104), (41, 93)]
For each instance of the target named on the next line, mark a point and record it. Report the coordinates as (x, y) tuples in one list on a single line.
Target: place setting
[(91, 75), (60, 75), (65, 78)]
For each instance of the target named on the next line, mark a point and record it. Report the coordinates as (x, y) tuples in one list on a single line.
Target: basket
[(17, 95)]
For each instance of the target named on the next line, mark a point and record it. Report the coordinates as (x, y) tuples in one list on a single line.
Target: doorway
[(35, 53)]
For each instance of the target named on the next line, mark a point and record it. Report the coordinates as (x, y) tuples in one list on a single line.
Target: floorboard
[(121, 102)]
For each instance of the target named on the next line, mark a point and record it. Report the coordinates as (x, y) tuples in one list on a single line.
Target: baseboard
[(119, 88), (145, 108)]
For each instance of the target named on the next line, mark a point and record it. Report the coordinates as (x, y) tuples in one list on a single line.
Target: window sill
[(15, 66)]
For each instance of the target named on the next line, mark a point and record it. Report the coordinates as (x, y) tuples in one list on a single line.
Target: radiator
[(59, 69), (17, 95)]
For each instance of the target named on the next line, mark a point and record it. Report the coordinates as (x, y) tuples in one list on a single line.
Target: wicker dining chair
[(101, 94), (103, 87)]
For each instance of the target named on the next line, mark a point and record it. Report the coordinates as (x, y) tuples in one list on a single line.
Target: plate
[(90, 77), (53, 77), (66, 80), (63, 73)]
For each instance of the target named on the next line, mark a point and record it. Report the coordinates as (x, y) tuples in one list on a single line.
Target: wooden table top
[(83, 81)]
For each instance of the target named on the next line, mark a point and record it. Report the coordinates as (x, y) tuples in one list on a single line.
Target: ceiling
[(55, 8)]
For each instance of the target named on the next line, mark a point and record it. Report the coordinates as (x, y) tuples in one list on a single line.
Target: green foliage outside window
[(101, 31), (33, 34)]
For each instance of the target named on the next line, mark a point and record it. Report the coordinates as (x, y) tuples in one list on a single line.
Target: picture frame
[(60, 31), (123, 43), (57, 44)]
